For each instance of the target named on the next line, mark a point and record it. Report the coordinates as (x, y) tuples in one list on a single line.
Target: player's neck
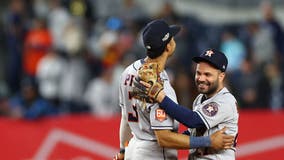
[(213, 94), (160, 60)]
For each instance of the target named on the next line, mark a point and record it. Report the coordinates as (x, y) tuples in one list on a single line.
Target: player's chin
[(202, 87), (202, 90)]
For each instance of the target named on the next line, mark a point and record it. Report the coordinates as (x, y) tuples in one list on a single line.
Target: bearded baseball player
[(148, 129), (214, 108)]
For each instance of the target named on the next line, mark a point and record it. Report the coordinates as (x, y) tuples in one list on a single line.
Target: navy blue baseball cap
[(216, 58), (156, 35)]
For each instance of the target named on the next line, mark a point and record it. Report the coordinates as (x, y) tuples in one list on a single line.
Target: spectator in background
[(4, 106), (76, 74), (234, 50), (102, 95), (101, 43), (73, 38), (110, 34), (41, 8), (58, 18), (168, 12), (82, 12), (131, 11), (114, 45), (15, 26), (73, 83), (183, 87), (82, 9), (271, 87), (244, 84), (28, 104), (102, 8), (50, 70), (36, 45), (261, 44), (271, 23)]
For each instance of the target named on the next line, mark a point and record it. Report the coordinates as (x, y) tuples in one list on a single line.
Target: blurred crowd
[(66, 56)]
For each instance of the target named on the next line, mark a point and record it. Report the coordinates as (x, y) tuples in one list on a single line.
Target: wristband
[(196, 142), (122, 151)]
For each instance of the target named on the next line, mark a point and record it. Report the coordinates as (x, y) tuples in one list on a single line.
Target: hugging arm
[(182, 114)]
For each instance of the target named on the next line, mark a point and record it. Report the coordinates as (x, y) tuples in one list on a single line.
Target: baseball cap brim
[(174, 29), (203, 59), (199, 59)]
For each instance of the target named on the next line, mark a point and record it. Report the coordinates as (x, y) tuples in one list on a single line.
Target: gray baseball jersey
[(217, 112), (144, 120)]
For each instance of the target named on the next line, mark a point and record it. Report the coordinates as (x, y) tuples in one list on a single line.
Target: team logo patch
[(210, 109), (160, 115)]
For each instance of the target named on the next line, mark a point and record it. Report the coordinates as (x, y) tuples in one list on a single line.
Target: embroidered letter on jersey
[(160, 115), (210, 109)]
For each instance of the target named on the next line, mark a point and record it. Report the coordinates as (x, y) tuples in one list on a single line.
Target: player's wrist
[(160, 97), (196, 142), (122, 150)]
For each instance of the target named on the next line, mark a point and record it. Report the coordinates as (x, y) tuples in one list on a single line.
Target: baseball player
[(214, 108), (147, 128)]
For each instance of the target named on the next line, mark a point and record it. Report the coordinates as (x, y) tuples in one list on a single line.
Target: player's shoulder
[(197, 100), (133, 68), (225, 97), (223, 93)]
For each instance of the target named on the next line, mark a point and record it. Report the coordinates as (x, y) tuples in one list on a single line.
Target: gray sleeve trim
[(162, 127), (203, 119)]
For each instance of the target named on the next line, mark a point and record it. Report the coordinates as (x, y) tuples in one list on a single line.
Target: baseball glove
[(148, 91)]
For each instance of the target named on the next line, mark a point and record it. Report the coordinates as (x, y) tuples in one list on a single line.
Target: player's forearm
[(169, 139), (182, 114)]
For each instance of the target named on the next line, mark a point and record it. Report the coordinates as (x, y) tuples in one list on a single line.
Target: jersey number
[(133, 117), (129, 80)]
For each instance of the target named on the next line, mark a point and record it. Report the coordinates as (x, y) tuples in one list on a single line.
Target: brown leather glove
[(148, 84)]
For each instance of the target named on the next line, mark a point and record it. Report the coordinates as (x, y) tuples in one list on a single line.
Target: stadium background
[(60, 62)]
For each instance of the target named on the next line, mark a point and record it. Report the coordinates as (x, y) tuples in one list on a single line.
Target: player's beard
[(207, 88)]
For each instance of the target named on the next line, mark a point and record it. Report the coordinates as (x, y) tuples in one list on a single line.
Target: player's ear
[(169, 45), (167, 49), (222, 76)]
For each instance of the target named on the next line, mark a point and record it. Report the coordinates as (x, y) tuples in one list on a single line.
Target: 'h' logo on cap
[(209, 53)]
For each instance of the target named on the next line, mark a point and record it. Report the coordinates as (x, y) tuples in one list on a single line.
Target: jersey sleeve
[(213, 113), (159, 119), (121, 104), (120, 90)]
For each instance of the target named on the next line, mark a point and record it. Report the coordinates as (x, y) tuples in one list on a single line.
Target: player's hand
[(220, 140), (119, 156), (140, 91), (148, 84)]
